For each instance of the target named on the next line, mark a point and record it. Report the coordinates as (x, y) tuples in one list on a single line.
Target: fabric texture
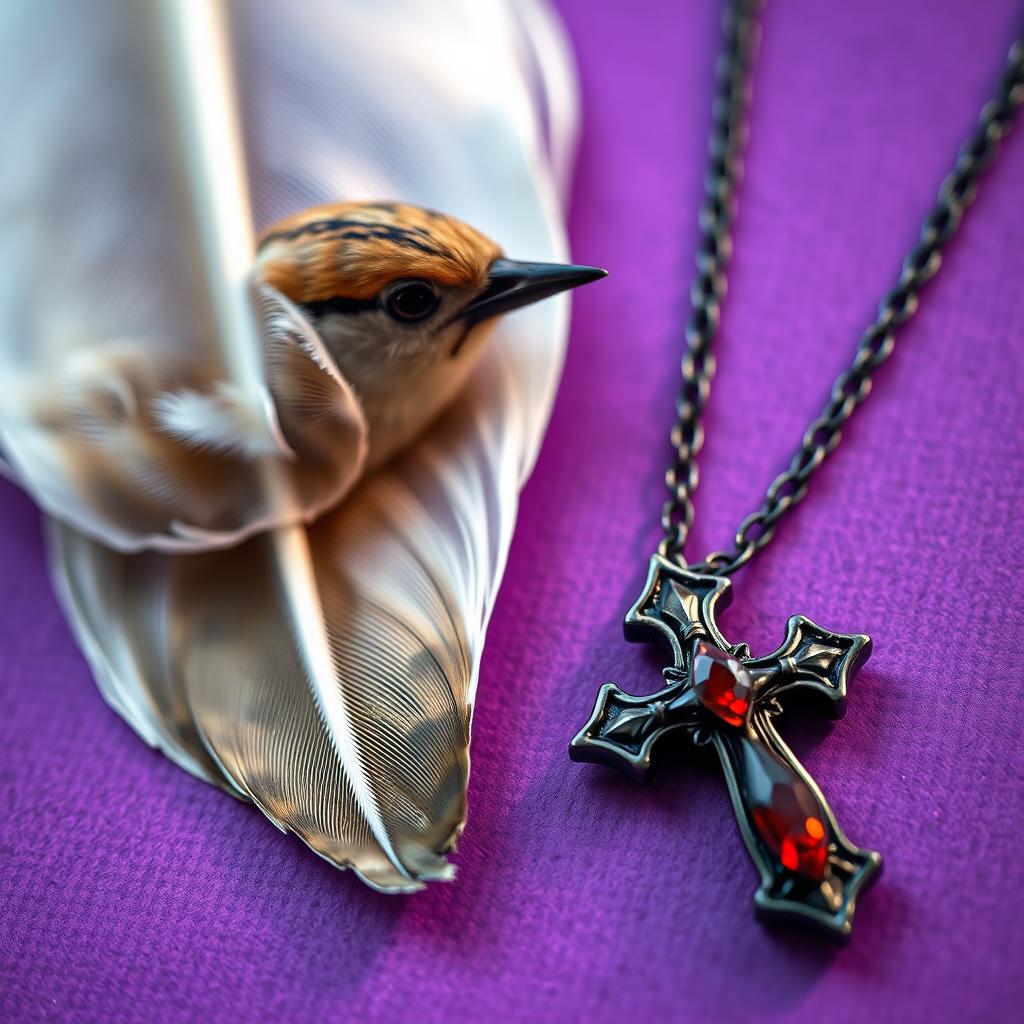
[(130, 891)]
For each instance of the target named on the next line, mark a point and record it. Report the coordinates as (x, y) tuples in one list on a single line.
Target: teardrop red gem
[(796, 837), (785, 813)]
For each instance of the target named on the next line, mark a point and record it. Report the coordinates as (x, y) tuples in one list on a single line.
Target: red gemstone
[(786, 814), (721, 683)]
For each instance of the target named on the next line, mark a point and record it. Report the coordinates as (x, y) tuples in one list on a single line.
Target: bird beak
[(512, 284)]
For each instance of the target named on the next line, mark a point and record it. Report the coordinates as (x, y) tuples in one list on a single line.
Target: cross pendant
[(718, 695)]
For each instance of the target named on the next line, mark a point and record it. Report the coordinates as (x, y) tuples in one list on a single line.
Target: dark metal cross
[(717, 694)]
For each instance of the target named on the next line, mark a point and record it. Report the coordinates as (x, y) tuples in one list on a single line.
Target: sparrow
[(403, 299)]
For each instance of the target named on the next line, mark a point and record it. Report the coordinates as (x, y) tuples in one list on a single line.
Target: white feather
[(220, 421), (326, 672)]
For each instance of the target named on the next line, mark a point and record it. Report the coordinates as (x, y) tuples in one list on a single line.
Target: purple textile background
[(129, 891)]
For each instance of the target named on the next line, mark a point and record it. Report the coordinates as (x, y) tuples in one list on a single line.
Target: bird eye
[(412, 302)]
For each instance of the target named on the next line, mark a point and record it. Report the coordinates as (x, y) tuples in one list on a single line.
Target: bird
[(371, 315), (404, 299)]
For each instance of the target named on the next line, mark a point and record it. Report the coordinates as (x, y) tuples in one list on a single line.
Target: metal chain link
[(852, 386)]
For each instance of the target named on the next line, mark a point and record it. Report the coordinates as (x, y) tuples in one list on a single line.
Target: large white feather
[(326, 672)]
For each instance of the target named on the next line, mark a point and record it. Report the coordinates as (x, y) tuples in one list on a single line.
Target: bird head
[(403, 298)]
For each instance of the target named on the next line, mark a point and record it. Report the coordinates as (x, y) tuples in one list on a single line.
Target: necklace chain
[(852, 386)]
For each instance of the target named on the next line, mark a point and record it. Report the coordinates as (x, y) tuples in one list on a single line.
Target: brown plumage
[(353, 250)]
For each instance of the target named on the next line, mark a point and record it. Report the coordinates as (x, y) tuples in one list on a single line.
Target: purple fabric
[(130, 891)]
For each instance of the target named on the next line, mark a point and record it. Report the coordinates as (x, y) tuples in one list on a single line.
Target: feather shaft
[(298, 580), (198, 63)]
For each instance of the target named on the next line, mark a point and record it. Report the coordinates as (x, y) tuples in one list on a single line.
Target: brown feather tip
[(353, 250)]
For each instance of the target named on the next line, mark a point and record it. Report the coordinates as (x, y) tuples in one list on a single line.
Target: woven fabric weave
[(130, 891)]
